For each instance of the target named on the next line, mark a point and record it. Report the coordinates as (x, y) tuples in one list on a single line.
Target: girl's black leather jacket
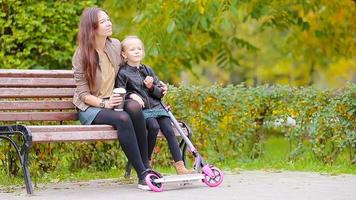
[(131, 78)]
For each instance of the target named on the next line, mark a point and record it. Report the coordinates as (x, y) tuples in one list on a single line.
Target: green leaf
[(171, 26)]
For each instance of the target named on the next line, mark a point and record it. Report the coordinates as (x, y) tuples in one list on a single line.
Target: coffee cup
[(121, 92)]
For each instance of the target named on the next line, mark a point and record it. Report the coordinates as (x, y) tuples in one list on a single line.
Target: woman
[(95, 64)]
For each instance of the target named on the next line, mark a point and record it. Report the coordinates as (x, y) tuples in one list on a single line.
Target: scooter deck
[(180, 178)]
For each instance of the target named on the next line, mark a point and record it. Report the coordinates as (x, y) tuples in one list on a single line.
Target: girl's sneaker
[(142, 183)]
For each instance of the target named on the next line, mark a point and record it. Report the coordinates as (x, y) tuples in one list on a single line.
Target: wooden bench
[(45, 95)]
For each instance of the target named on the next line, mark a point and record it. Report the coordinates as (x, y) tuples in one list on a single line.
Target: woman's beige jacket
[(113, 50)]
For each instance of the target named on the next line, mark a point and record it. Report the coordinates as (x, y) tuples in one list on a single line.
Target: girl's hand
[(148, 82), (138, 99), (114, 100), (164, 87)]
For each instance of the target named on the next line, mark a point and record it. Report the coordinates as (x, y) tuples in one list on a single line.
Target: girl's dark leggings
[(163, 123), (131, 129)]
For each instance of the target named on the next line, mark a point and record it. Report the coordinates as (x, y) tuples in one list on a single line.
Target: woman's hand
[(148, 82), (164, 87), (114, 100), (138, 99)]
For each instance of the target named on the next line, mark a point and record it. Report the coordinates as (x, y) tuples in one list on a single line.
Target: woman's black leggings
[(130, 126), (163, 123)]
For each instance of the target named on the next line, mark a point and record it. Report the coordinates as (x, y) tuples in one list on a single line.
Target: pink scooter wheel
[(156, 187), (216, 180)]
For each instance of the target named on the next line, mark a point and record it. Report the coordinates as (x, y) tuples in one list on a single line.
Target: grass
[(274, 159), (65, 175)]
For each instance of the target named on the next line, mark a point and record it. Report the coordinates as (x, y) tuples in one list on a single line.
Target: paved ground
[(246, 185)]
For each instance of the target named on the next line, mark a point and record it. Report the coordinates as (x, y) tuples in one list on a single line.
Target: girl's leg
[(135, 112), (167, 130), (152, 129), (128, 142)]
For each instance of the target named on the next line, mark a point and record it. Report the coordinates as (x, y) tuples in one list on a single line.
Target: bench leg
[(183, 147), (183, 144), (128, 170), (26, 172), (6, 133)]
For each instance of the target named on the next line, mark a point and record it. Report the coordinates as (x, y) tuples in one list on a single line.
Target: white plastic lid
[(119, 91)]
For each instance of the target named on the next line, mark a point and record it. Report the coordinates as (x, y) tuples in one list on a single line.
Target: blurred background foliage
[(200, 42)]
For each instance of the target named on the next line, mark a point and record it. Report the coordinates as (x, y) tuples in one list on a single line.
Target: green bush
[(234, 121), (39, 34)]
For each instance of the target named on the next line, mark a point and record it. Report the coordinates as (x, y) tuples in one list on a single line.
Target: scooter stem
[(176, 124)]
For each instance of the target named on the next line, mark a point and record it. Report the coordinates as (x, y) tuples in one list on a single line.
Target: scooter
[(210, 175)]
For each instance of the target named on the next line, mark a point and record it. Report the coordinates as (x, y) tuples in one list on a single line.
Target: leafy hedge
[(229, 123), (234, 121)]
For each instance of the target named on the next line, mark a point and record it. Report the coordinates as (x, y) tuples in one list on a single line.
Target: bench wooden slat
[(36, 73), (62, 128), (42, 137), (36, 82), (77, 133), (67, 128), (38, 116), (36, 92), (37, 105), (39, 137)]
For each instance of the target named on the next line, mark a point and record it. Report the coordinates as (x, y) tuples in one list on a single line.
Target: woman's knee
[(132, 105), (122, 117)]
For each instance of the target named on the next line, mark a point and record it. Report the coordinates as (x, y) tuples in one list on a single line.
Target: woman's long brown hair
[(86, 43)]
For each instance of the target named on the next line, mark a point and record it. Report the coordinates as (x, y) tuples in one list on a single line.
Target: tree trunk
[(311, 73)]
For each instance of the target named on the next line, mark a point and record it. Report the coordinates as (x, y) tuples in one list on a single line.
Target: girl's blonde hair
[(127, 39)]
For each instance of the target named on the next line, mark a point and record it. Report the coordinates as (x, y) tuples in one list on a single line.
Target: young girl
[(140, 80)]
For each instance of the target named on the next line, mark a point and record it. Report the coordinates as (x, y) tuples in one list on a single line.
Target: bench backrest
[(37, 95)]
